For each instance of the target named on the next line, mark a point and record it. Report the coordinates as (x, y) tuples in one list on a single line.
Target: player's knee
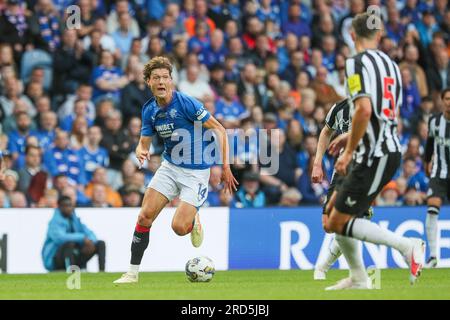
[(333, 225), (144, 219), (181, 228), (434, 201)]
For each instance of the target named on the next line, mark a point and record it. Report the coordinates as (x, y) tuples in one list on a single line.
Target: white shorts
[(190, 184)]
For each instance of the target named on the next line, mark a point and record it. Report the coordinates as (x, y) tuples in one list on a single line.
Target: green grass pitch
[(249, 284)]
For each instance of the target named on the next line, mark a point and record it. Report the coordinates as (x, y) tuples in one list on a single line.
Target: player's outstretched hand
[(342, 163), (317, 174), (230, 182), (142, 155)]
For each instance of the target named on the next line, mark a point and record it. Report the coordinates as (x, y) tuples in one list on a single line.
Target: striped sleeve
[(357, 78), (330, 119)]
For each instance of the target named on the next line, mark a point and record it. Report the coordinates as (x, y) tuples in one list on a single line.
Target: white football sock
[(366, 230), (431, 228), (352, 253), (134, 269), (334, 252)]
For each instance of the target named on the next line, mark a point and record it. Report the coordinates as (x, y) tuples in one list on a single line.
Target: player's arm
[(428, 151), (143, 149), (324, 140), (222, 140)]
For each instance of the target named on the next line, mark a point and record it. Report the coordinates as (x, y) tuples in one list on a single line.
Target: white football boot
[(320, 274), (415, 259), (197, 232), (431, 263), (348, 283), (127, 278)]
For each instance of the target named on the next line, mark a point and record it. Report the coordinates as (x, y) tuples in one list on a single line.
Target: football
[(200, 269)]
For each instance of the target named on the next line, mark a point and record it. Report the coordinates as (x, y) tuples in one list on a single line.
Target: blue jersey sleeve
[(195, 111), (147, 129)]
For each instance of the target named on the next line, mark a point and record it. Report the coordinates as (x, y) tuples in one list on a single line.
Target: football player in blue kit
[(183, 123)]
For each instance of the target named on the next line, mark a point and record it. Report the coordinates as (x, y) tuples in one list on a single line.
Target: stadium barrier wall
[(293, 238), (27, 228), (268, 238)]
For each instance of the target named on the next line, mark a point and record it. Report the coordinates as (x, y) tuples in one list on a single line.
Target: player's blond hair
[(158, 62)]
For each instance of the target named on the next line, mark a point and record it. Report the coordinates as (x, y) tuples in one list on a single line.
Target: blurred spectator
[(324, 92), (71, 64), (215, 52), (200, 11), (424, 113), (84, 93), (426, 27), (61, 185), (49, 199), (17, 200), (9, 182), (15, 28), (79, 110), (62, 159), (45, 25), (214, 188), (78, 134), (134, 131), (107, 79), (132, 196), (249, 194), (100, 177), (288, 172), (69, 242), (134, 95), (116, 142), (200, 40), (99, 39), (295, 23), (229, 110), (123, 36), (411, 54), (194, 85), (11, 97), (345, 24), (438, 74), (312, 193), (389, 196), (93, 155), (413, 197), (127, 173), (411, 98), (88, 16), (72, 193), (17, 137), (4, 202), (99, 195), (290, 197), (33, 165), (47, 124), (113, 20)]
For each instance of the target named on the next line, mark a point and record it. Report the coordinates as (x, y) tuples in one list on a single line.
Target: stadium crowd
[(71, 98)]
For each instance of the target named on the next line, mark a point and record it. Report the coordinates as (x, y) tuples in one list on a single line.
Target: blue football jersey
[(180, 126)]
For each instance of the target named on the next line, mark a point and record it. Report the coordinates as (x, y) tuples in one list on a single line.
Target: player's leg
[(152, 204), (355, 195), (334, 252), (193, 186), (436, 191), (161, 189)]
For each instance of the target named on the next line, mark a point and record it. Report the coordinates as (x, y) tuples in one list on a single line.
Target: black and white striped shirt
[(439, 134), (373, 74), (338, 118)]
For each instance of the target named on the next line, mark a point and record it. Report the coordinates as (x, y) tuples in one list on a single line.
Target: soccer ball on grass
[(200, 269)]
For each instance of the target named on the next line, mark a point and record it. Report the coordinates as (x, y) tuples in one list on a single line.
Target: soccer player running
[(438, 149), (375, 88), (337, 121), (172, 114)]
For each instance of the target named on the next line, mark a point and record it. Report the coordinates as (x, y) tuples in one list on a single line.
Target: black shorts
[(336, 182), (439, 188), (362, 184)]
